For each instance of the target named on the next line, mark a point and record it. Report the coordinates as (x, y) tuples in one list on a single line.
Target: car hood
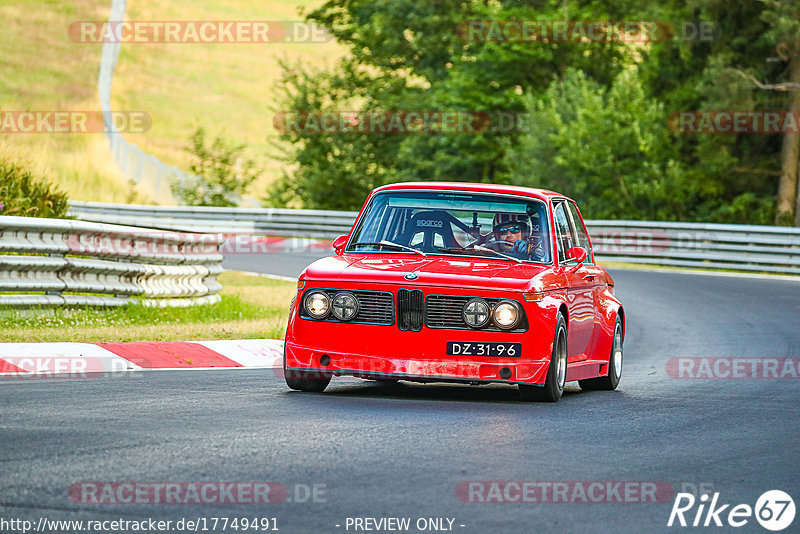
[(479, 273)]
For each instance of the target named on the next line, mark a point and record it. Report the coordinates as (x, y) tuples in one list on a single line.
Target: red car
[(459, 282)]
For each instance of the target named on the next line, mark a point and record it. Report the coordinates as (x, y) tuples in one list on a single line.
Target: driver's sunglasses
[(513, 229)]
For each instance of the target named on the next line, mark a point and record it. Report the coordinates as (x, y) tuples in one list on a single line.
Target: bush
[(609, 149), (25, 195), (220, 174)]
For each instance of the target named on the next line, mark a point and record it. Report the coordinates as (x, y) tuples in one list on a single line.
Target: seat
[(430, 224)]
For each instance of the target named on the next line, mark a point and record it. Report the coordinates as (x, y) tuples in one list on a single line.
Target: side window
[(581, 239), (563, 230)]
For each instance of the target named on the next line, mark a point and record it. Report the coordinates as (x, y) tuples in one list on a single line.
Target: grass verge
[(251, 307), (43, 70), (227, 88)]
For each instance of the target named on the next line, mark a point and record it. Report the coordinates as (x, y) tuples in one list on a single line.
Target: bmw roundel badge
[(411, 276)]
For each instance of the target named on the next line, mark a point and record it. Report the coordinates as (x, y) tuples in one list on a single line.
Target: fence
[(697, 245), (135, 164), (53, 261)]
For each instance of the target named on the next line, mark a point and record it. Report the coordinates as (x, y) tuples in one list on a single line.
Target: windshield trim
[(364, 213), (442, 255)]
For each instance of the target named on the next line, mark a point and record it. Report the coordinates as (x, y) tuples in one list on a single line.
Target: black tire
[(557, 372), (310, 381), (611, 381)]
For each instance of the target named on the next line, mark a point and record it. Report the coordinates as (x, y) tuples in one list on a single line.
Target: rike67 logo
[(774, 510)]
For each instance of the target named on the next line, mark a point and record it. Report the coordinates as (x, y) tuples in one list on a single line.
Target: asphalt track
[(403, 450)]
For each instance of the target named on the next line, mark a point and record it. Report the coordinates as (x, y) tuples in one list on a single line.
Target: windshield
[(454, 223)]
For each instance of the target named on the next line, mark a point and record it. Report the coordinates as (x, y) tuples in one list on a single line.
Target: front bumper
[(386, 351), (444, 369)]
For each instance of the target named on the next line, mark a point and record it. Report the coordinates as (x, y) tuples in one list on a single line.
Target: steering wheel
[(506, 247)]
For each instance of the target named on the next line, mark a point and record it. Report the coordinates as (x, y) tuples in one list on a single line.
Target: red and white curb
[(32, 359)]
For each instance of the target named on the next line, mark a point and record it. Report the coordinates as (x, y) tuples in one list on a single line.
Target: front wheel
[(311, 381), (556, 373), (611, 381)]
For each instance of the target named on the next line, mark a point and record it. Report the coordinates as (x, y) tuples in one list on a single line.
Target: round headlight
[(345, 306), (506, 315), (476, 313), (317, 304)]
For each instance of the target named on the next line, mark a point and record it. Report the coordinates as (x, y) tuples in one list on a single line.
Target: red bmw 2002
[(459, 282)]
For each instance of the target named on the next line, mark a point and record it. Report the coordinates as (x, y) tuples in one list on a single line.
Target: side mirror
[(339, 243), (577, 255)]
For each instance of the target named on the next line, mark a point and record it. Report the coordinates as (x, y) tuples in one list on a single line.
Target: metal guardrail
[(266, 221), (774, 249), (696, 245), (54, 262)]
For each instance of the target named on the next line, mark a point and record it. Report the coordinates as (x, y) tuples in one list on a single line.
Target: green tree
[(220, 174), (783, 17), (410, 55), (718, 74), (604, 147)]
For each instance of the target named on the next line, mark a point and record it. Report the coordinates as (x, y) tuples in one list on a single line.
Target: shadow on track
[(494, 393)]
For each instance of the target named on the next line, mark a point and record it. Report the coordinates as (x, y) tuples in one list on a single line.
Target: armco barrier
[(266, 221), (56, 261), (695, 245), (773, 249)]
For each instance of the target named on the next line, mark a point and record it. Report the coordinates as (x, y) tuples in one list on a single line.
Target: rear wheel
[(611, 381), (556, 373)]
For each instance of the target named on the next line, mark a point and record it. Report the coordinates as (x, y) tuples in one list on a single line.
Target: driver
[(513, 230)]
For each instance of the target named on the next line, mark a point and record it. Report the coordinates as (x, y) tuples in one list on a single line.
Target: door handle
[(589, 276)]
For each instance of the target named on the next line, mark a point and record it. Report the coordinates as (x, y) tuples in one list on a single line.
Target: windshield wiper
[(384, 243), (478, 247)]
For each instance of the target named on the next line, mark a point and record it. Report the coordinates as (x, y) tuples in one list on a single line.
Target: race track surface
[(403, 450)]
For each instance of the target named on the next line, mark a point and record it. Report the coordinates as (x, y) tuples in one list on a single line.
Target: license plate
[(471, 348)]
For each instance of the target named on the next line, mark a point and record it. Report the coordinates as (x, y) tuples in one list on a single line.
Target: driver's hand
[(520, 247)]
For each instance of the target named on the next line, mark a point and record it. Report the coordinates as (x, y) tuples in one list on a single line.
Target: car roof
[(543, 194)]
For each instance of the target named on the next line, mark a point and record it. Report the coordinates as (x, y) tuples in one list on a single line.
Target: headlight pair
[(506, 314), (344, 305)]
